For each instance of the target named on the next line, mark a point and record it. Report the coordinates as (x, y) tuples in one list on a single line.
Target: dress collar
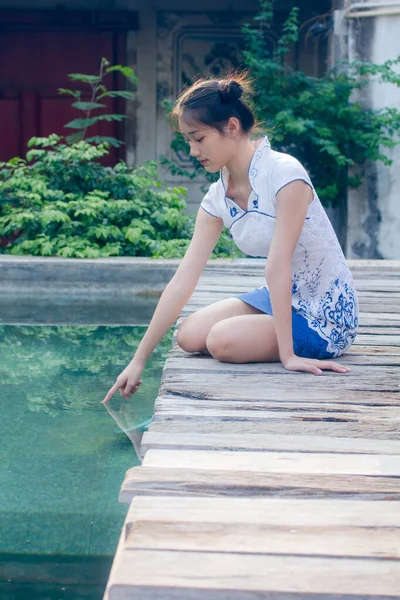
[(263, 146)]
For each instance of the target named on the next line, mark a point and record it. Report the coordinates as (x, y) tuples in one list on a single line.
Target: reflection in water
[(124, 414), (62, 459)]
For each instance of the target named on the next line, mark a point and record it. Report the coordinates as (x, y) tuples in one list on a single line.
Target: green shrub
[(317, 119), (314, 119), (61, 202), (98, 92)]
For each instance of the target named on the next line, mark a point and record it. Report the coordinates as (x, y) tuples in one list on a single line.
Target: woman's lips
[(203, 161)]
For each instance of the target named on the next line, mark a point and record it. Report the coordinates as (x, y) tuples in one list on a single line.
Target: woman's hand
[(313, 365), (128, 382)]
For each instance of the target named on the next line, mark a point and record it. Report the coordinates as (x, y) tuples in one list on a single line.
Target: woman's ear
[(233, 127)]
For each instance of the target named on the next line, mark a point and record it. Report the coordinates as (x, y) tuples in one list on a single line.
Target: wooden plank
[(273, 512), (263, 539), (270, 411), (298, 385), (192, 575), (383, 408), (174, 365), (360, 350), (118, 552), (395, 317), (378, 430), (299, 443), (142, 481), (243, 385), (385, 405), (377, 319), (378, 331), (327, 527), (276, 462), (372, 340)]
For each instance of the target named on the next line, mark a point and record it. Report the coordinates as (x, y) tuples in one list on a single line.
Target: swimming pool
[(62, 455)]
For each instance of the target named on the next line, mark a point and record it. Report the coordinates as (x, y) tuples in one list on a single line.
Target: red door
[(38, 49)]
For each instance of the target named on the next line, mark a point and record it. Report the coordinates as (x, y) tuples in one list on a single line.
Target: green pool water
[(63, 455)]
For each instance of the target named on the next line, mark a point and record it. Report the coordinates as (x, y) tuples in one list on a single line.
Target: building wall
[(373, 208), (170, 47)]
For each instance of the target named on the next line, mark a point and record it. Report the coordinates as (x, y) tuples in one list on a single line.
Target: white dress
[(322, 285)]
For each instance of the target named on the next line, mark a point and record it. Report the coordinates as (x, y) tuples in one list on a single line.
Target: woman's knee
[(189, 336), (220, 343)]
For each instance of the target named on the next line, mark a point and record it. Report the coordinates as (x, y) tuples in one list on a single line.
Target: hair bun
[(230, 91)]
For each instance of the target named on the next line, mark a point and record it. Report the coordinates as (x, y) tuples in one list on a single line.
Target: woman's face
[(212, 149)]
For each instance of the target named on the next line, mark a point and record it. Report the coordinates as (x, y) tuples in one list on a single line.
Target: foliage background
[(61, 201), (316, 119)]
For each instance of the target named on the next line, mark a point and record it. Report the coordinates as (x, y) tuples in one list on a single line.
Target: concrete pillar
[(146, 70), (370, 32)]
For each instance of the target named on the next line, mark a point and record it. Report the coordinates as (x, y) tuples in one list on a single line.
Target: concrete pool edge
[(115, 274)]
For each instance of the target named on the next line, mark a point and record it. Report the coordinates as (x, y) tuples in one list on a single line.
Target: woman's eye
[(200, 140)]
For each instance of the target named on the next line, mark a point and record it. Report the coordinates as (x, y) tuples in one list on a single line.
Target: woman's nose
[(193, 151)]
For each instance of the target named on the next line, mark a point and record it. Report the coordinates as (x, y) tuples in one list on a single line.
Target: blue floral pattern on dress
[(334, 314)]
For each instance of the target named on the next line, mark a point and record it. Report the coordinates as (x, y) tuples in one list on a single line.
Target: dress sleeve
[(210, 201), (286, 170)]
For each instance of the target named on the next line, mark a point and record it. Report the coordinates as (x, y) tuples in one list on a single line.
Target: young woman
[(307, 313)]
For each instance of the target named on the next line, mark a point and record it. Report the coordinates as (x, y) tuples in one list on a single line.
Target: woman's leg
[(243, 339), (193, 332)]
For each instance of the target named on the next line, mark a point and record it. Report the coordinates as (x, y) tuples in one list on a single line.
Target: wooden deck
[(258, 482)]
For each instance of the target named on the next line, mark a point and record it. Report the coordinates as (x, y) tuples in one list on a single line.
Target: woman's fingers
[(130, 389), (328, 365), (111, 392), (125, 389), (325, 364), (315, 370)]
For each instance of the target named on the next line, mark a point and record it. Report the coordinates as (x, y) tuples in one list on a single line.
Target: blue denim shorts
[(306, 342)]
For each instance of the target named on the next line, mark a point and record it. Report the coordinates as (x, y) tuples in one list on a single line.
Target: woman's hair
[(212, 102)]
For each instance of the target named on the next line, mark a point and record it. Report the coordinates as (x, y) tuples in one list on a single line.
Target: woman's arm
[(291, 210), (178, 291), (174, 297)]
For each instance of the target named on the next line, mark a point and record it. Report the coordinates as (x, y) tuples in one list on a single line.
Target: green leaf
[(110, 117), (75, 137), (133, 234), (16, 159), (98, 139), (87, 105), (73, 93), (81, 123), (126, 71), (34, 154), (84, 78), (117, 94)]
